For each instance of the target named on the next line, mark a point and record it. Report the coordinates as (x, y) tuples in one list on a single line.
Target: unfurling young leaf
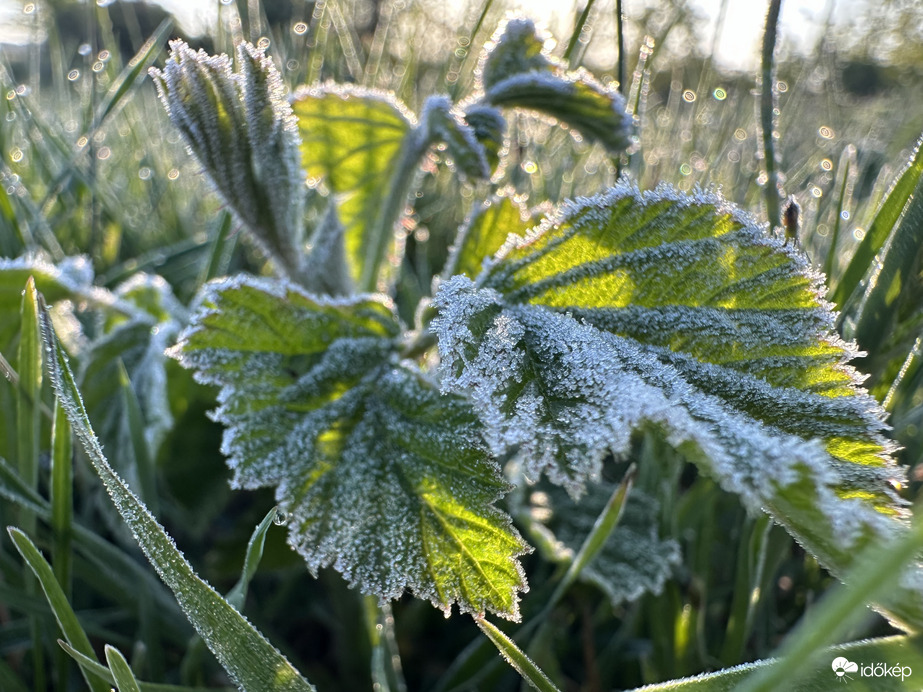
[(633, 309), (239, 126), (380, 475), (517, 70), (445, 124)]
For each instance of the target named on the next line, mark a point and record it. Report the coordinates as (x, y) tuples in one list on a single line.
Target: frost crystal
[(241, 129), (383, 478), (634, 309)]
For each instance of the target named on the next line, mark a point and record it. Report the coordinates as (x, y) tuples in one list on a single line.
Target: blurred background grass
[(89, 164)]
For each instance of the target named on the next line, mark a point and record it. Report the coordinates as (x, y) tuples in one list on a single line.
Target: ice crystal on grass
[(382, 477), (239, 126), (632, 309)]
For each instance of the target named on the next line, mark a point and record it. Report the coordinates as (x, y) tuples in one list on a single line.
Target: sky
[(737, 46)]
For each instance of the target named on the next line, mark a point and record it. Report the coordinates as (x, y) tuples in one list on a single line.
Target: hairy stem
[(768, 105)]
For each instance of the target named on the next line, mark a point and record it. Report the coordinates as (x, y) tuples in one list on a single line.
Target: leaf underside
[(633, 309), (380, 475), (351, 139)]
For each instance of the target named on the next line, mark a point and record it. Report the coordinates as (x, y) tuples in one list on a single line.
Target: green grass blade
[(873, 577), (530, 672), (146, 474), (96, 668), (845, 174), (62, 515), (884, 223), (605, 524), (62, 610), (899, 650), (768, 108), (28, 430), (238, 594), (251, 661), (578, 30), (136, 67), (894, 276), (121, 671)]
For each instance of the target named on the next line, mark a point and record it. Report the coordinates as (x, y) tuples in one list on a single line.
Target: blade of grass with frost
[(679, 311), (872, 579), (523, 665), (62, 610), (121, 671), (92, 666), (251, 661), (898, 650), (62, 514), (887, 218), (101, 553), (596, 539), (237, 596), (28, 430), (893, 279)]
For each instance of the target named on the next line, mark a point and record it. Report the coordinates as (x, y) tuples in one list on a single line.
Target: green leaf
[(351, 139), (633, 309), (251, 661), (62, 610), (484, 232), (379, 474), (518, 71), (881, 228), (634, 559), (240, 127)]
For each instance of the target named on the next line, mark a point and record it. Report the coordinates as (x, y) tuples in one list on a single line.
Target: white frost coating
[(586, 390), (369, 461), (241, 129), (348, 91), (444, 122)]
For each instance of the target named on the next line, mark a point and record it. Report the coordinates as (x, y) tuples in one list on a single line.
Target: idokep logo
[(841, 666)]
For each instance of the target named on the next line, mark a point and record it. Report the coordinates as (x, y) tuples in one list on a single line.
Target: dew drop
[(73, 75), (826, 132), (844, 214), (263, 43), (689, 96), (16, 155), (144, 173), (685, 169), (28, 8), (740, 134), (300, 28), (85, 49), (782, 86), (173, 174), (281, 518), (827, 165), (719, 94), (529, 167)]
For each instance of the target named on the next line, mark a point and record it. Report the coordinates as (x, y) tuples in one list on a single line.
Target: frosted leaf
[(351, 139), (630, 309), (634, 561), (518, 46), (444, 123), (251, 661), (517, 70), (241, 129), (380, 475), (138, 343), (489, 127), (484, 232)]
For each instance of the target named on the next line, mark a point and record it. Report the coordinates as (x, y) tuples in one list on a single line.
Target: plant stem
[(415, 144), (768, 106)]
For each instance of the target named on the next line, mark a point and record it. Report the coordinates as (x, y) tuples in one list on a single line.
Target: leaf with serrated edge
[(351, 138), (678, 311), (380, 475)]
